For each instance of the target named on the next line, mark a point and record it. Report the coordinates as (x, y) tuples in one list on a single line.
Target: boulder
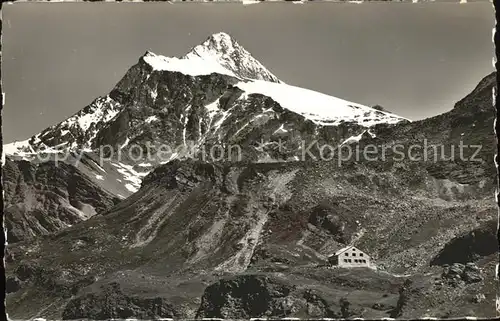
[(457, 272), (478, 298), (12, 284)]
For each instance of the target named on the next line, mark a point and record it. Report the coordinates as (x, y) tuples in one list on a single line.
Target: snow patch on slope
[(320, 108), (100, 111), (151, 119), (24, 149), (125, 143), (281, 130), (20, 148), (133, 177), (353, 139)]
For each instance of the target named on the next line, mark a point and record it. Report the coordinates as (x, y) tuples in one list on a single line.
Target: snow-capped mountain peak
[(222, 49), (170, 101), (193, 66), (220, 41)]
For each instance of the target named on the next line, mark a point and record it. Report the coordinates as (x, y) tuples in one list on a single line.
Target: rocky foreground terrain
[(198, 231), (198, 238)]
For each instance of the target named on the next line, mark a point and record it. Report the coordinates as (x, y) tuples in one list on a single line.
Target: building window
[(345, 260), (347, 254), (353, 254), (355, 261), (360, 254)]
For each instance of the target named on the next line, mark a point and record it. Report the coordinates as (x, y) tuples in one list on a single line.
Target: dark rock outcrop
[(405, 293), (470, 246), (336, 220), (46, 197), (457, 272), (12, 284), (243, 297), (111, 303)]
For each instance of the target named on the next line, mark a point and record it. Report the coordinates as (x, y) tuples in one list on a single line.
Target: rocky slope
[(43, 198), (193, 223), (437, 139), (250, 237)]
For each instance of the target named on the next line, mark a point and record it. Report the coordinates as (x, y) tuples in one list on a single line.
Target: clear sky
[(416, 60)]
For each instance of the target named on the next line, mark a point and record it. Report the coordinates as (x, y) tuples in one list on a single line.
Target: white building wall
[(353, 258)]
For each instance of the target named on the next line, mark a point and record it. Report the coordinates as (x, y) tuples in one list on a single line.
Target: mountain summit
[(217, 94), (224, 50), (219, 54)]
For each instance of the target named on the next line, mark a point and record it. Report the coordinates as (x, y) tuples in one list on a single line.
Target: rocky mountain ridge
[(194, 95), (250, 237)]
